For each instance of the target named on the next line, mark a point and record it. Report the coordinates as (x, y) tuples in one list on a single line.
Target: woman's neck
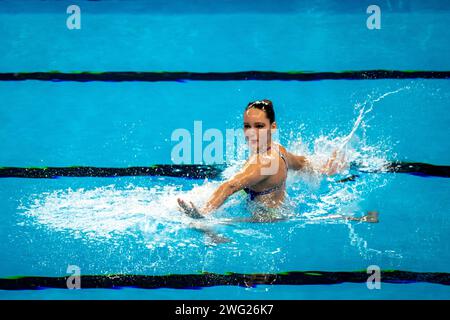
[(263, 150)]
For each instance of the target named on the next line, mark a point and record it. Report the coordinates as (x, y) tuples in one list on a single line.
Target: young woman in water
[(263, 177)]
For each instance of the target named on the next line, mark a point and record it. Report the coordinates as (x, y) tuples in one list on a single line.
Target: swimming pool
[(125, 231)]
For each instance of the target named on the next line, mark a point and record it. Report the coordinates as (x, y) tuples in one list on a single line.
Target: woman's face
[(257, 129)]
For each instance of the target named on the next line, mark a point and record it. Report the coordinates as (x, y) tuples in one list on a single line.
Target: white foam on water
[(105, 212)]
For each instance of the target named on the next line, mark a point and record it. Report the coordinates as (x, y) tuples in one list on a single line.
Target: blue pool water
[(130, 225)]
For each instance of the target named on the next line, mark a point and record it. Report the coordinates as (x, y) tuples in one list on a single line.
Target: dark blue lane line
[(194, 171), (419, 169), (119, 76), (170, 170), (195, 281)]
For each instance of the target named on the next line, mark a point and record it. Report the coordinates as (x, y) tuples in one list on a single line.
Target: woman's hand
[(334, 165), (190, 209)]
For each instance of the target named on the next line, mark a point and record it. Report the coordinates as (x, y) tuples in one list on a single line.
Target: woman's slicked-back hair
[(263, 105)]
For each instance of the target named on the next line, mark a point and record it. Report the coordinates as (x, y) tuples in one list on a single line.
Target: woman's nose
[(250, 133)]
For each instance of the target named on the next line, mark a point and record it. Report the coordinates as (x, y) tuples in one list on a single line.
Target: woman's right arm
[(250, 175)]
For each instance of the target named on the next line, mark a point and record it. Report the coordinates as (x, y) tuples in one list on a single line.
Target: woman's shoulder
[(282, 149)]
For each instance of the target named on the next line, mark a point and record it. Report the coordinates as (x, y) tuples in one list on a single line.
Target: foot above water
[(371, 216)]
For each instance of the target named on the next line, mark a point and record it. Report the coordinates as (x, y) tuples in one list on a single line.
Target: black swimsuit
[(253, 194)]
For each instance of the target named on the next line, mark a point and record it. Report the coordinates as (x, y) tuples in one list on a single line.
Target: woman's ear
[(273, 126)]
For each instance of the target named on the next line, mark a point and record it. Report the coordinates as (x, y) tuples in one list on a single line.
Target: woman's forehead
[(255, 114)]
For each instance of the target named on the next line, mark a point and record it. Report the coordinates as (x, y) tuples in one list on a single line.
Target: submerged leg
[(218, 238), (257, 219), (371, 217)]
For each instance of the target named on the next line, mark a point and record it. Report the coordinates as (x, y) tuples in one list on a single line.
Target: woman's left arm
[(296, 162), (333, 165)]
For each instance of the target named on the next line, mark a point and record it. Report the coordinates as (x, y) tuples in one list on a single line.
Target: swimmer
[(263, 176)]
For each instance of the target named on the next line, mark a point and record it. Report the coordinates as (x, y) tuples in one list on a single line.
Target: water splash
[(327, 200)]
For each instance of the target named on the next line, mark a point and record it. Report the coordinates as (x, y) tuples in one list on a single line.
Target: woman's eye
[(246, 126), (259, 126)]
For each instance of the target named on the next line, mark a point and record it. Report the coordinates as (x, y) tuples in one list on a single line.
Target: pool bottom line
[(204, 280)]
